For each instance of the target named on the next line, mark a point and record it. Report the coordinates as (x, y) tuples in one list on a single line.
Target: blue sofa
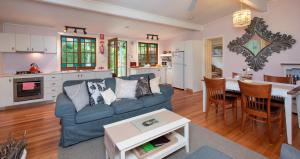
[(88, 123)]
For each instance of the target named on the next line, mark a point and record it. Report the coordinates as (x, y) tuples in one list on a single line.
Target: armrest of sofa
[(64, 106), (289, 152), (167, 90)]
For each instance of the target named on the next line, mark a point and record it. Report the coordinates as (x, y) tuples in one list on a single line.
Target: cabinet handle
[(12, 48), (9, 80)]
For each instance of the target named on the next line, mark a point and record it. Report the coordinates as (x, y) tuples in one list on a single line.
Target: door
[(117, 57), (112, 56), (7, 42), (23, 42), (50, 44), (37, 43)]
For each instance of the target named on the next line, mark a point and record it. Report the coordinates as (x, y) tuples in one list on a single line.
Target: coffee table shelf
[(121, 145)]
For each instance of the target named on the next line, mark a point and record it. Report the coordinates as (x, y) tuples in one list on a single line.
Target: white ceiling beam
[(106, 8), (260, 5)]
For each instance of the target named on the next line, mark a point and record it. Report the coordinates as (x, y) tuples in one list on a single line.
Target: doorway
[(214, 57), (117, 57)]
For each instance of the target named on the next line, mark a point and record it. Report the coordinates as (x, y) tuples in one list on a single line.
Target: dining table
[(286, 91)]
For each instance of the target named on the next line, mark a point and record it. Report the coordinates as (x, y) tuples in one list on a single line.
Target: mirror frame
[(278, 42)]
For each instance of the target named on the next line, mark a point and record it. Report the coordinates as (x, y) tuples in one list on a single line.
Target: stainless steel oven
[(28, 88)]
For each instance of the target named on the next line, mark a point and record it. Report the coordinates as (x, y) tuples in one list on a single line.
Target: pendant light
[(242, 17)]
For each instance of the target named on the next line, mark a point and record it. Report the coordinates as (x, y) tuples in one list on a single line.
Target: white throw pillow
[(108, 96), (154, 85), (125, 88), (78, 94)]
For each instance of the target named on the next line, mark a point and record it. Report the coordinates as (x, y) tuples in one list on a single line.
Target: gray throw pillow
[(143, 88), (79, 95)]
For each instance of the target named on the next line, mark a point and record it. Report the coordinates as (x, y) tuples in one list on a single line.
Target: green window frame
[(78, 53), (148, 54)]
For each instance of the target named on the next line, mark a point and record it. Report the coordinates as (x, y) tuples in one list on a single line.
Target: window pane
[(69, 46), (70, 58), (77, 52)]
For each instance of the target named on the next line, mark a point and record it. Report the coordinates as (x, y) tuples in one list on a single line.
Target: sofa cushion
[(126, 105), (95, 112), (152, 100)]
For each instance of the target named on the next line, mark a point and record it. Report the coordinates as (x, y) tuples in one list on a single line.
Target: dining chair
[(278, 79), (256, 103), (278, 101), (216, 94)]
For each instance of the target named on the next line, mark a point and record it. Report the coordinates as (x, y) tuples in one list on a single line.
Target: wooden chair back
[(256, 98), (215, 88), (278, 79)]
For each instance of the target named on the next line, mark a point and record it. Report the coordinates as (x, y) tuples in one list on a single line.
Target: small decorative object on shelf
[(13, 148)]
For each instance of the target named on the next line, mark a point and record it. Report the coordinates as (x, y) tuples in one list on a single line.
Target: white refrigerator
[(178, 69)]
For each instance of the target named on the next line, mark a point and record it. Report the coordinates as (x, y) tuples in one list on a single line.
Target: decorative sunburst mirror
[(258, 43)]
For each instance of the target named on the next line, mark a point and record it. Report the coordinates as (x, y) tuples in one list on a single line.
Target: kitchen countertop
[(153, 67), (48, 73)]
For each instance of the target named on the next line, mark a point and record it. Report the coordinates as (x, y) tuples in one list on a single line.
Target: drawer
[(52, 84), (53, 77)]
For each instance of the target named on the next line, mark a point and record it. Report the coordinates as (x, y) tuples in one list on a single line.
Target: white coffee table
[(123, 136)]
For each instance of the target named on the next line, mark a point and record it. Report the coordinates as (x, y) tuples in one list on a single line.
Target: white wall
[(282, 16), (11, 62)]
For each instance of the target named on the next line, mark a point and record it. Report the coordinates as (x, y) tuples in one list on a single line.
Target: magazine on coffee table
[(148, 123)]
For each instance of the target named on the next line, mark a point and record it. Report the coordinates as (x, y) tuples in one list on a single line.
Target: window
[(148, 54), (78, 53)]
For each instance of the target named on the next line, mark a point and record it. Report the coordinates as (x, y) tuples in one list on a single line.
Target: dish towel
[(28, 86)]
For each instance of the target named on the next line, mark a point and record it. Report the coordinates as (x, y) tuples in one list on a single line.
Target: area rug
[(199, 136)]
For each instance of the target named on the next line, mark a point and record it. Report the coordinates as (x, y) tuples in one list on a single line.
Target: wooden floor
[(43, 127)]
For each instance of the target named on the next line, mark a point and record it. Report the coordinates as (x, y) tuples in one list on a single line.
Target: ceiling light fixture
[(242, 17), (75, 29), (152, 37)]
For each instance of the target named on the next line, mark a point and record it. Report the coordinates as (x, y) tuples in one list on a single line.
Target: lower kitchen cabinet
[(6, 91), (52, 87)]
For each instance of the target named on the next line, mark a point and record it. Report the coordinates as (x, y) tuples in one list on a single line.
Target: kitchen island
[(158, 71), (50, 85)]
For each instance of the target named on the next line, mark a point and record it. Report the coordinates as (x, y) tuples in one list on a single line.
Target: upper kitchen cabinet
[(50, 44), (7, 42), (36, 43), (23, 42)]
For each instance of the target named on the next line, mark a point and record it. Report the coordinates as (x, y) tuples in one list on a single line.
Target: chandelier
[(242, 17)]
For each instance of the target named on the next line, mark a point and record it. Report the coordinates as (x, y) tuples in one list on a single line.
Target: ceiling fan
[(192, 6)]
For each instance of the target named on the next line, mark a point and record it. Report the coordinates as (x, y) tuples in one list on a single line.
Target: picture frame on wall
[(217, 51)]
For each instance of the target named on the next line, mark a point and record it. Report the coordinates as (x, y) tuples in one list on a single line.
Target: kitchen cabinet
[(36, 43), (163, 75), (23, 42), (7, 42), (6, 91), (144, 70), (52, 86), (169, 75), (50, 44)]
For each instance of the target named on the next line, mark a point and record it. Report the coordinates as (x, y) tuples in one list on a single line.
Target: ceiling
[(57, 16), (204, 11)]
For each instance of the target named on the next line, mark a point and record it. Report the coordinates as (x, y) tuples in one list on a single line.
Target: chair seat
[(228, 100)]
